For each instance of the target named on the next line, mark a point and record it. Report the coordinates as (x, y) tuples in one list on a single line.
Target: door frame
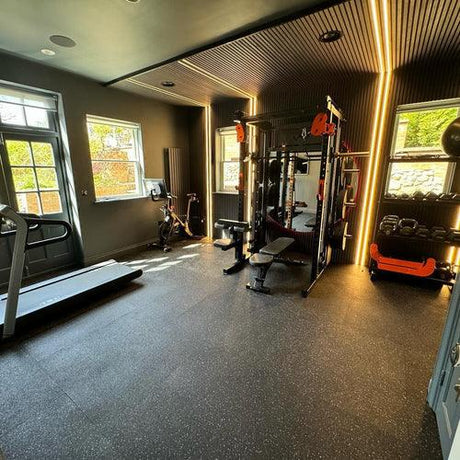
[(57, 130), (435, 387)]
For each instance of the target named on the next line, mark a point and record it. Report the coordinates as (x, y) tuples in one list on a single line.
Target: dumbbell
[(418, 195), (390, 196), (447, 196), (454, 235), (431, 196), (444, 271), (402, 196), (422, 231), (407, 227), (389, 224), (438, 233)]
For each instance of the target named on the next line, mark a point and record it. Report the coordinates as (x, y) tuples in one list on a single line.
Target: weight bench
[(236, 229), (263, 260)]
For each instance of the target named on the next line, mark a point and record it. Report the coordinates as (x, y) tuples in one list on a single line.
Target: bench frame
[(259, 271), (236, 229)]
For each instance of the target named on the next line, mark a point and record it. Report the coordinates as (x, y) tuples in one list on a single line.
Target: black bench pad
[(277, 246), (239, 226), (260, 259)]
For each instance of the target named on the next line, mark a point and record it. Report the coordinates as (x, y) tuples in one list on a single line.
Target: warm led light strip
[(208, 151), (214, 78), (453, 255), (384, 59), (163, 91), (252, 147)]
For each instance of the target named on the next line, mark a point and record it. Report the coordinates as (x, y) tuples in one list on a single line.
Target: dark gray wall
[(109, 227), (222, 115)]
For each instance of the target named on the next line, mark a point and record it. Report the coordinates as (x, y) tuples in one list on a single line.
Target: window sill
[(225, 193), (125, 198)]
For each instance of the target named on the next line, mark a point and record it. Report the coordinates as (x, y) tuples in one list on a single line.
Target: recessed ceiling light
[(47, 52), (330, 36), (168, 84), (133, 1), (62, 40)]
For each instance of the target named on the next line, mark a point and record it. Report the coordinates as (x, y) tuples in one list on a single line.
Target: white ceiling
[(116, 37)]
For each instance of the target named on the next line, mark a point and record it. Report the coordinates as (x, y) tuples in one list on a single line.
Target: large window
[(418, 163), (116, 155), (228, 154)]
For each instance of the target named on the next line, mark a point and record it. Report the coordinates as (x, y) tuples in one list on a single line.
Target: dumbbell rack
[(428, 212)]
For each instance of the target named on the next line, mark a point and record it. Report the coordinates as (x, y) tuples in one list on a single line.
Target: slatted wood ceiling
[(291, 55), (424, 30)]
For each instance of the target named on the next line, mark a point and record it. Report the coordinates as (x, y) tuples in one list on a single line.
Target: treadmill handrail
[(33, 227), (53, 239), (37, 222)]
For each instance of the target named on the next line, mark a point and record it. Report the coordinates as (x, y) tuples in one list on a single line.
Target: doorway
[(32, 177)]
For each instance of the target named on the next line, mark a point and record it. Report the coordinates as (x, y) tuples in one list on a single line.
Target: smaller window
[(26, 109), (227, 164), (116, 156)]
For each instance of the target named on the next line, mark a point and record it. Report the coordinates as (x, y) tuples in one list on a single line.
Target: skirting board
[(117, 252)]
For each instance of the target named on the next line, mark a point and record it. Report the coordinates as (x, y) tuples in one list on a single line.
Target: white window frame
[(139, 161), (220, 161), (420, 107)]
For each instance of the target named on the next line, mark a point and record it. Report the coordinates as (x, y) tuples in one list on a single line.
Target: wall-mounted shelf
[(412, 201), (427, 159), (416, 239)]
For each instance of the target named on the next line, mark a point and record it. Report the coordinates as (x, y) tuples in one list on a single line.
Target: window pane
[(51, 202), (109, 142), (24, 179), (47, 178), (28, 203), (43, 153), (419, 133), (412, 177), (37, 117), (231, 148), (12, 114), (231, 171), (18, 153), (114, 179)]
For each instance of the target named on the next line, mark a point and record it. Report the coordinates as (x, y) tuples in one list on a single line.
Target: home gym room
[(229, 229)]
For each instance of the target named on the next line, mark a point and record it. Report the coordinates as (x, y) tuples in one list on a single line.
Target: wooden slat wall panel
[(178, 177), (356, 96), (412, 84)]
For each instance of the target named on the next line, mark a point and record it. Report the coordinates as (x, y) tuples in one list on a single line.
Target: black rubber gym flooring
[(187, 363)]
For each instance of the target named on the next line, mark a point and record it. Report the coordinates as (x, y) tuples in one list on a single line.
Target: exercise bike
[(172, 224)]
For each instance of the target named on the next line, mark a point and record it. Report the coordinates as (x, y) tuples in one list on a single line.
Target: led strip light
[(208, 150), (453, 254), (384, 58)]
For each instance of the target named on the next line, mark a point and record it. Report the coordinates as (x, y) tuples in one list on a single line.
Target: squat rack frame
[(328, 180)]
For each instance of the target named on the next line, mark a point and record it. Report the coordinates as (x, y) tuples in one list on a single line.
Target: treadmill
[(60, 292)]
